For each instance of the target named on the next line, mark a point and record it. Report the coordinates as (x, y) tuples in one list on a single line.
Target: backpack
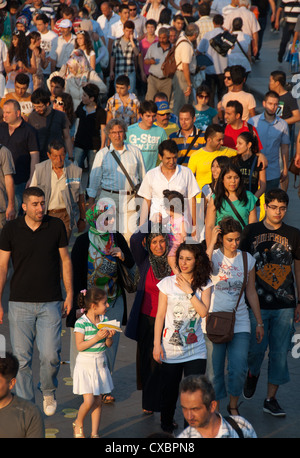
[(169, 66)]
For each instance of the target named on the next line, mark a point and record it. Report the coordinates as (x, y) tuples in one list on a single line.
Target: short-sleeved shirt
[(21, 419), (21, 143), (245, 98), (287, 104), (200, 163), (88, 132), (184, 143), (6, 168), (25, 103), (184, 54), (272, 135), (243, 210), (274, 252), (50, 126), (35, 258), (155, 182), (231, 135), (182, 337), (147, 141), (89, 330)]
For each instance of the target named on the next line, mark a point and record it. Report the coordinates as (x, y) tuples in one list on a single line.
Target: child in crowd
[(177, 225), (123, 104), (91, 375)]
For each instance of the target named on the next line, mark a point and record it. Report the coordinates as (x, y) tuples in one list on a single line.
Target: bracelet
[(261, 325)]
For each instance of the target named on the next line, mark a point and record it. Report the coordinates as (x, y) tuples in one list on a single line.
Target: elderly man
[(186, 67), (108, 177), (60, 180), (155, 57)]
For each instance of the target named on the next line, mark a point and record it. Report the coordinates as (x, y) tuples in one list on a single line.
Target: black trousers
[(287, 33), (171, 375)]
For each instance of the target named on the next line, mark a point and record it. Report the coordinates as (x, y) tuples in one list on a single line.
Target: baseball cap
[(65, 23), (163, 107)]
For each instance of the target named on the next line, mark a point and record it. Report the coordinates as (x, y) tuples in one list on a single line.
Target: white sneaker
[(49, 405)]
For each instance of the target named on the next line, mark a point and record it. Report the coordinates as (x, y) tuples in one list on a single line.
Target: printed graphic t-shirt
[(182, 339)]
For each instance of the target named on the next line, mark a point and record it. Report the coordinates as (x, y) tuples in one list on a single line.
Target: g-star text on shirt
[(143, 140)]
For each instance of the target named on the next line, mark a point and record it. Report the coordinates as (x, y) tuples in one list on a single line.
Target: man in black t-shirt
[(276, 248), (37, 245)]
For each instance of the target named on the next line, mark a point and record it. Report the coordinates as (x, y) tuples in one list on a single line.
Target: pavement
[(124, 419)]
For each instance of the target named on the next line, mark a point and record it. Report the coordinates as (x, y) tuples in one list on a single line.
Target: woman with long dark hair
[(179, 344), (227, 277), (230, 199), (19, 61)]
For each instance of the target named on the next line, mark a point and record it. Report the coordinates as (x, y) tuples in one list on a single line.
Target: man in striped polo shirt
[(188, 138), (291, 10)]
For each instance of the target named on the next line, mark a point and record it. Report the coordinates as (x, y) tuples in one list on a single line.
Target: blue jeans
[(279, 329), (272, 184), (236, 353), (19, 189), (40, 322), (80, 155)]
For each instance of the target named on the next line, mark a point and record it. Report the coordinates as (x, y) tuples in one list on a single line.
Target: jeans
[(272, 184), (40, 322), (287, 33), (236, 352), (80, 155), (279, 329), (19, 189)]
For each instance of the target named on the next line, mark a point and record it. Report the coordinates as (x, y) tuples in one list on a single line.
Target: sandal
[(229, 409), (107, 398), (80, 434), (147, 412)]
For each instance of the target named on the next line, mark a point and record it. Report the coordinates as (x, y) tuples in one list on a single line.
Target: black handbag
[(134, 187), (223, 42), (127, 277)]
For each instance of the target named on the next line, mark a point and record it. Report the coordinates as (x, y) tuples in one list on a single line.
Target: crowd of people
[(126, 122)]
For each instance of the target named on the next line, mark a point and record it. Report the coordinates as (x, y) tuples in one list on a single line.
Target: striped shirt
[(183, 144), (89, 330), (107, 174), (291, 10)]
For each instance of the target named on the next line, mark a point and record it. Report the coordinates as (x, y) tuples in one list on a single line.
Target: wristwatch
[(189, 296)]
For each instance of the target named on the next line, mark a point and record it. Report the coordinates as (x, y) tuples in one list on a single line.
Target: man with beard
[(274, 134), (198, 403)]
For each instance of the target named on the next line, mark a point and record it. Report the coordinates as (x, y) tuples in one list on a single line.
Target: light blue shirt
[(272, 135), (147, 141)]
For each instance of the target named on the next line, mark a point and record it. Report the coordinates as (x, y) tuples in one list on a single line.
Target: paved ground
[(124, 419)]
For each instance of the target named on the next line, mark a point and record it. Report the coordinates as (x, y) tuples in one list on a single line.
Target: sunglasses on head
[(80, 32), (59, 102)]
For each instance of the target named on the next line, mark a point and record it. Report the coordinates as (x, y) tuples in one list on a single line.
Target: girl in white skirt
[(91, 375)]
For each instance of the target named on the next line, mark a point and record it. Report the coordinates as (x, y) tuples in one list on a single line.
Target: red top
[(231, 135)]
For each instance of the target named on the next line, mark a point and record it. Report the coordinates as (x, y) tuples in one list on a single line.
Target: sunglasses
[(227, 78), (80, 32), (201, 96), (59, 102)]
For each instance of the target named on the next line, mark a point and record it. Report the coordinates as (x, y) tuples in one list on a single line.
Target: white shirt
[(3, 54), (228, 277), (106, 24), (46, 44), (250, 23), (183, 339), (236, 56), (117, 31), (107, 174), (155, 183), (61, 50)]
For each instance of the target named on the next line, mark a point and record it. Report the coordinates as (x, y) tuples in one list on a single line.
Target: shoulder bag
[(134, 187), (220, 325), (236, 212)]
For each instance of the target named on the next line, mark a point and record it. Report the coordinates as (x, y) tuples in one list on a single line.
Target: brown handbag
[(220, 325), (294, 170)]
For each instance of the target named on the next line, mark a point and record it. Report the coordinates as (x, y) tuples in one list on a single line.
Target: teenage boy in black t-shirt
[(276, 248)]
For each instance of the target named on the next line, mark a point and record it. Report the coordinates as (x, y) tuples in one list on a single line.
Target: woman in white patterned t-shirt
[(91, 375)]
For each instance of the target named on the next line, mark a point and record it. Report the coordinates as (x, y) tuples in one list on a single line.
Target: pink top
[(144, 46)]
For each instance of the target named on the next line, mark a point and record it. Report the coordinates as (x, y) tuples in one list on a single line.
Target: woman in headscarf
[(149, 246), (94, 259), (77, 73)]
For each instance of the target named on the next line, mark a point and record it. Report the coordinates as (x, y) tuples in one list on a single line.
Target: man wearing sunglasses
[(276, 248)]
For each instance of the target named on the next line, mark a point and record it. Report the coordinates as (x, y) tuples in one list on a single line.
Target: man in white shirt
[(47, 36), (185, 58), (117, 29), (229, 8), (168, 175), (108, 178), (62, 46), (107, 19)]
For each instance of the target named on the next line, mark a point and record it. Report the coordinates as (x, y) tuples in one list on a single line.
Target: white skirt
[(91, 374)]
